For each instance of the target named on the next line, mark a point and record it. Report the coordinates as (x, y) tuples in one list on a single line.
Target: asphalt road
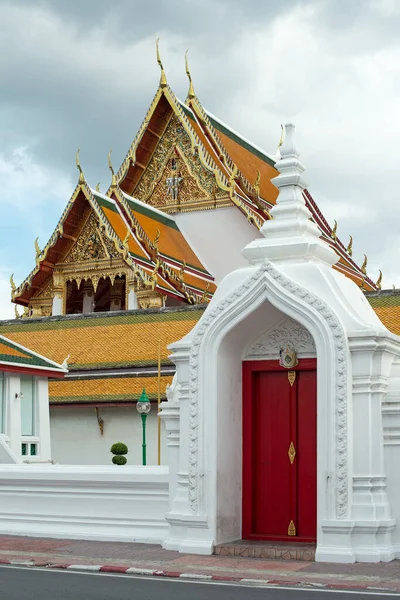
[(41, 584)]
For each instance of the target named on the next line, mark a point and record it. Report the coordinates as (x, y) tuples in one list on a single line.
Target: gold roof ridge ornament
[(12, 283), (364, 265), (333, 232), (191, 93), (113, 178), (156, 240), (283, 131), (78, 166), (350, 247), (98, 187), (379, 281), (37, 249), (257, 183), (163, 79)]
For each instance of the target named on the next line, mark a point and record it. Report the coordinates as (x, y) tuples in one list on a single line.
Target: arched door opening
[(279, 451)]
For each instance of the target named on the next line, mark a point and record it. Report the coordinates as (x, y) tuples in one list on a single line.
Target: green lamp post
[(143, 407)]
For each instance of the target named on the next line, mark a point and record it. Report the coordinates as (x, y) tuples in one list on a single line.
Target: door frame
[(248, 368)]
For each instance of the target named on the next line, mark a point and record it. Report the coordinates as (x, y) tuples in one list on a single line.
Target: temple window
[(28, 405)]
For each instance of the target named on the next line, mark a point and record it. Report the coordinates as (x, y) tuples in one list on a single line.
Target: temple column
[(132, 298), (116, 295), (371, 363), (58, 285), (88, 298), (170, 414)]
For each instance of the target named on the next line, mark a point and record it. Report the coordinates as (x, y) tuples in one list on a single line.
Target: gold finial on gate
[(291, 529)]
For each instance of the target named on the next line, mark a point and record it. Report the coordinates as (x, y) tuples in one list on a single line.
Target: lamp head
[(143, 405)]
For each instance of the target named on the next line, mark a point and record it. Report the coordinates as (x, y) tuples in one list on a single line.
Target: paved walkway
[(153, 560)]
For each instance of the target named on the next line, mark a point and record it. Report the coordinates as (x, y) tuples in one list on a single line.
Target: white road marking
[(282, 587)]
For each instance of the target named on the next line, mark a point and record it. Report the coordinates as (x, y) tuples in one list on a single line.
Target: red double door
[(279, 451)]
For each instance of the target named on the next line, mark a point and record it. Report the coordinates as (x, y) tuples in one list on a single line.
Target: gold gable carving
[(197, 189), (91, 244), (47, 291), (187, 191)]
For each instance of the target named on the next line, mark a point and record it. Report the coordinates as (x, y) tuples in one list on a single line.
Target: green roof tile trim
[(152, 214), (29, 358), (117, 364), (106, 399), (240, 141), (103, 319), (384, 300)]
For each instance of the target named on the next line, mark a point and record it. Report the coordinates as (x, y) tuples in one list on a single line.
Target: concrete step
[(271, 550)]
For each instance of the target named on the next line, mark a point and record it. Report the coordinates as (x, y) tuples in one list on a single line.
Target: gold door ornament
[(292, 453), (291, 529), (291, 377)]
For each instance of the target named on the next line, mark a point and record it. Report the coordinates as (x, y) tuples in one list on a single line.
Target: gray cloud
[(82, 74)]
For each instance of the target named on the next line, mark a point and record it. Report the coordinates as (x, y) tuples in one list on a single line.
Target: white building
[(24, 403)]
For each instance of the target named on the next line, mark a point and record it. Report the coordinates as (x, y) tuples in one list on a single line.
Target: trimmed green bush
[(119, 448), (118, 459)]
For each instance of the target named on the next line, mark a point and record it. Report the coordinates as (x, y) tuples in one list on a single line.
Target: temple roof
[(99, 341), (241, 170), (15, 357), (112, 356), (107, 390), (133, 229), (386, 304), (221, 168)]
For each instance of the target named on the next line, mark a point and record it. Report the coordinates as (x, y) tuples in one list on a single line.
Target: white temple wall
[(391, 440), (220, 250), (76, 438), (111, 503)]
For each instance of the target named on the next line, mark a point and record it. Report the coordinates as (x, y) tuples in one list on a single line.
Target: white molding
[(287, 333), (267, 283)]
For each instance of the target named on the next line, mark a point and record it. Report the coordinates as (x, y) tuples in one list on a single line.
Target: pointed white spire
[(290, 235)]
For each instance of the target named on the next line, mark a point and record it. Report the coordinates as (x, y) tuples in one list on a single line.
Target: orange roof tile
[(107, 389), (105, 340), (386, 304), (171, 243)]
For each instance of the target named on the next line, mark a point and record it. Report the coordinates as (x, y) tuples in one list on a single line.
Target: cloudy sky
[(82, 73)]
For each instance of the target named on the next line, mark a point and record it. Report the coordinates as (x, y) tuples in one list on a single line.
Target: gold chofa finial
[(156, 239), (98, 187), (126, 238), (113, 179), (12, 283), (37, 248), (350, 247), (282, 136), (257, 183), (379, 281), (364, 265), (191, 93), (78, 166), (17, 315), (334, 230), (163, 79)]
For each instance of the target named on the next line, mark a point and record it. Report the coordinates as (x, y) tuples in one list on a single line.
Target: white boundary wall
[(111, 503)]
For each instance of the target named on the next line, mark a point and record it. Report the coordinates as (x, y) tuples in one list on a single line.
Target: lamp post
[(143, 407)]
